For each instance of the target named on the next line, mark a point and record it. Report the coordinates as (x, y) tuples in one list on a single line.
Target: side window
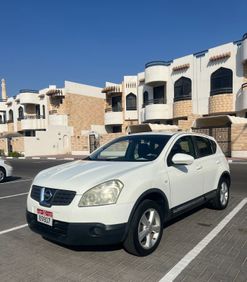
[(203, 147), (183, 145)]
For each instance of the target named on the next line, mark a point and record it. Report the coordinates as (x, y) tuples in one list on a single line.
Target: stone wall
[(182, 108), (223, 103), (3, 145), (18, 144), (10, 127), (185, 125), (239, 140), (83, 111), (110, 136)]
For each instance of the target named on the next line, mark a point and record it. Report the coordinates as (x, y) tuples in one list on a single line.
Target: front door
[(186, 181)]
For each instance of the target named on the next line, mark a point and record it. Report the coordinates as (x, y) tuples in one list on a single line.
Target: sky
[(45, 42)]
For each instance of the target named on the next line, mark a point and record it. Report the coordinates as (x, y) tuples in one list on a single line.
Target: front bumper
[(78, 234)]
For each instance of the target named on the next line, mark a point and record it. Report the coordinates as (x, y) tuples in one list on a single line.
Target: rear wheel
[(221, 200), (2, 174), (145, 229)]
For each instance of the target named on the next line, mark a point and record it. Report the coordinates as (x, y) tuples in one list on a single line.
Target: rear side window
[(203, 147)]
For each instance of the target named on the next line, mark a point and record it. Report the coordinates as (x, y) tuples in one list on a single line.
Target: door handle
[(198, 167), (217, 162)]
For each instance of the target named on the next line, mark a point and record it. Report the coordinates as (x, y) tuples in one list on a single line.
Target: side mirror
[(182, 159)]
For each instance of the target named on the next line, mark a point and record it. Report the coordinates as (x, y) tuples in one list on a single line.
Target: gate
[(221, 134)]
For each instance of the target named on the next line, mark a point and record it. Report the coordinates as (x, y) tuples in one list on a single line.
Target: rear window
[(203, 147)]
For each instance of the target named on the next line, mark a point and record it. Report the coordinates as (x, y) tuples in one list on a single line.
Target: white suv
[(127, 189)]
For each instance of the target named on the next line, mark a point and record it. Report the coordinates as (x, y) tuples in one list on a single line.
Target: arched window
[(131, 102), (145, 98), (43, 110), (182, 89), (221, 81), (20, 113), (11, 117)]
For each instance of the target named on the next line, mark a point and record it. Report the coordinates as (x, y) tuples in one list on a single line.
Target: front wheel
[(221, 200), (145, 230), (2, 174)]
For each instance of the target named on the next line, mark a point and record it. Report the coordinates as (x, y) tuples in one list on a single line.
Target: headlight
[(106, 193)]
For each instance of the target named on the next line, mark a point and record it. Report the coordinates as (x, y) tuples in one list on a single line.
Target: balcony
[(27, 96), (156, 72), (221, 103), (155, 109), (112, 89), (32, 122), (113, 117), (244, 48)]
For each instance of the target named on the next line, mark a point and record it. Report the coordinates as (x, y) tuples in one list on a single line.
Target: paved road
[(25, 256)]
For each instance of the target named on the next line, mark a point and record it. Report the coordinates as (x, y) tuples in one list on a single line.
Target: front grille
[(58, 197)]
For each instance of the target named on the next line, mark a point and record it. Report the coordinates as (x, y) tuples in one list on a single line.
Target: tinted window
[(203, 147), (183, 145), (221, 81), (132, 148), (182, 89), (214, 146)]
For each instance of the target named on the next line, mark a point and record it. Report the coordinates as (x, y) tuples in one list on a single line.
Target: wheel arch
[(151, 194), (226, 175)]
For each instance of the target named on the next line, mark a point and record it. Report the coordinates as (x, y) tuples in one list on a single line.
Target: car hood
[(82, 175)]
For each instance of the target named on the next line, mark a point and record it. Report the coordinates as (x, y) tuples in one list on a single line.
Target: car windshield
[(132, 148)]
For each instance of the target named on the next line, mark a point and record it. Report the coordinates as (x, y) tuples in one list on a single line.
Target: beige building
[(205, 91), (51, 121)]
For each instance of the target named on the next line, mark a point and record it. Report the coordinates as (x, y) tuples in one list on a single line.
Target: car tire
[(145, 229), (221, 199), (2, 174)]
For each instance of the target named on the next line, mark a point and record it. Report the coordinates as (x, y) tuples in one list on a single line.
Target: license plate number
[(45, 217)]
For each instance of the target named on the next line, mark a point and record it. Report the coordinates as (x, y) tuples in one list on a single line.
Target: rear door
[(186, 181), (210, 162)]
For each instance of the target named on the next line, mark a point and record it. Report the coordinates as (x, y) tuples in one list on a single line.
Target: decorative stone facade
[(182, 108), (238, 140), (18, 144), (10, 127), (223, 103), (82, 112), (185, 125), (3, 145), (110, 136)]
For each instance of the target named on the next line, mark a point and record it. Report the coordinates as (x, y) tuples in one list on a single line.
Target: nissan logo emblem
[(47, 195)]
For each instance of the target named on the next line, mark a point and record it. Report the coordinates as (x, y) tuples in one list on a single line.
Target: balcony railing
[(154, 101), (31, 117), (157, 63), (221, 91), (182, 98)]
